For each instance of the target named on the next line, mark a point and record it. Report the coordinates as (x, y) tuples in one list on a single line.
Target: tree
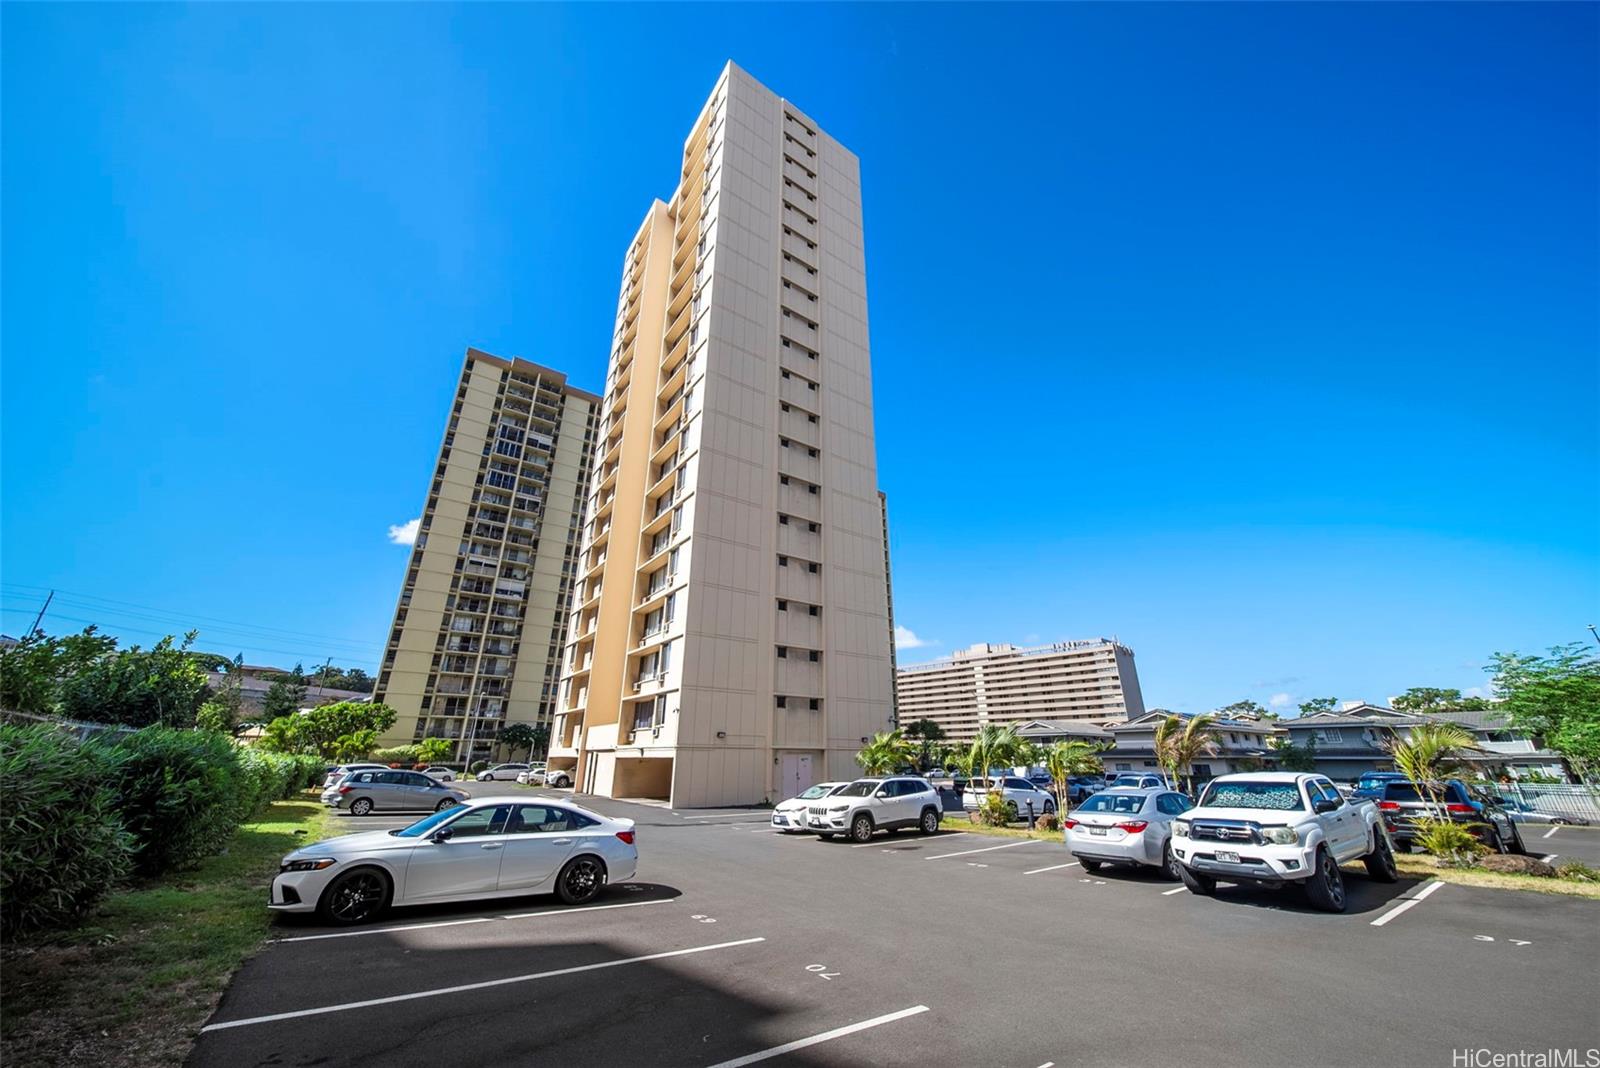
[(282, 735), (1314, 705), (886, 752), (1429, 753), (1179, 742), (346, 730), (284, 697), (332, 678), (1428, 699), (1246, 707), (994, 746), (926, 733), (435, 750), (1066, 759), (1557, 697), (516, 736), (31, 672), (1291, 757), (138, 687)]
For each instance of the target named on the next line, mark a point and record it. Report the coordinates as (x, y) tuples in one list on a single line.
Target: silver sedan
[(1124, 825), (486, 848)]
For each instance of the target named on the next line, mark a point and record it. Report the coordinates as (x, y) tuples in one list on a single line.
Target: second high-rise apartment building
[(729, 639), (481, 622)]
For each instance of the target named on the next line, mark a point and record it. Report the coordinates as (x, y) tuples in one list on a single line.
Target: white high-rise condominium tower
[(730, 639)]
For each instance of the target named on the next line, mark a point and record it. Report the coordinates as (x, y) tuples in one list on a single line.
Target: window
[(812, 609), (783, 561), (815, 656), (783, 652), (783, 702), (544, 819), (1329, 734), (812, 568), (480, 822), (815, 704), (783, 606)]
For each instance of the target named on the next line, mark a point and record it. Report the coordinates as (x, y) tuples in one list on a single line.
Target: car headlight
[(839, 808), (314, 864), (1280, 835), (1180, 828)]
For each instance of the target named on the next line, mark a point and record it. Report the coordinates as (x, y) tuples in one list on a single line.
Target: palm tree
[(1065, 759), (1178, 742), (994, 745), (886, 752), (1429, 754)]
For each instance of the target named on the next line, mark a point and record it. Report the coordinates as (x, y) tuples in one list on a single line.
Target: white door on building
[(796, 774)]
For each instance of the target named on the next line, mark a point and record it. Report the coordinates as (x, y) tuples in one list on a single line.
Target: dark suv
[(1403, 802), (1371, 784)]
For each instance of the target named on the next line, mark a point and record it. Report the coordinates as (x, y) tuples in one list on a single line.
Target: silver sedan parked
[(390, 790), (1123, 825), (486, 848)]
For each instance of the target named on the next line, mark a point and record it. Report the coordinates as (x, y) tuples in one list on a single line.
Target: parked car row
[(862, 807)]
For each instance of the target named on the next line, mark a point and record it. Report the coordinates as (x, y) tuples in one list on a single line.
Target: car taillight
[(1069, 824), (1389, 806), (1458, 807), (346, 789), (626, 836), (1133, 826)]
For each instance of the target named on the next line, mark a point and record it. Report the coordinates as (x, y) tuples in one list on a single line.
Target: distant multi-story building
[(730, 638), (478, 632), (1090, 682)]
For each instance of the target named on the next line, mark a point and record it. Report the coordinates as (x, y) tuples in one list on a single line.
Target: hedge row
[(79, 817)]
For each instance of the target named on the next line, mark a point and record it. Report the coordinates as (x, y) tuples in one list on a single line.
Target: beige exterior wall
[(752, 624), (480, 624), (1088, 681)]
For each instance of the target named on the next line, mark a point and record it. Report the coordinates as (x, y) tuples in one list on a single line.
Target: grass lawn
[(961, 823), (132, 985), (1419, 866)]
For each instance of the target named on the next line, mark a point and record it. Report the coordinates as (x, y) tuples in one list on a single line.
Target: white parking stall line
[(987, 849), (1053, 867), (1169, 893), (475, 919), (486, 984), (1548, 857), (1551, 832), (1048, 1064), (879, 842), (1404, 905), (826, 1036)]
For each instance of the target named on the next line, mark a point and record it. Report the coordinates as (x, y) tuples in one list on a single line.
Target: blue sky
[(1264, 337)]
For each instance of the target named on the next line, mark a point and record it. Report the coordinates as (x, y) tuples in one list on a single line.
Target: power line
[(89, 602), (298, 654)]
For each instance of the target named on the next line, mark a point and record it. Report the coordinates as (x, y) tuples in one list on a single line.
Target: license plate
[(1097, 830), (1227, 858)]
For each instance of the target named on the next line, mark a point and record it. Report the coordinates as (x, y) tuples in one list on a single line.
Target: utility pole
[(323, 674), (40, 617), (1591, 631)]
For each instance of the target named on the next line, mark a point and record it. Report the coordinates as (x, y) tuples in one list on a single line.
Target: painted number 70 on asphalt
[(821, 971)]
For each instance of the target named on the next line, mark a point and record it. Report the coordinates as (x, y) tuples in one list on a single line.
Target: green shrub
[(478, 765), (182, 793), (1578, 872), (994, 810), (62, 844), (1451, 843), (405, 755)]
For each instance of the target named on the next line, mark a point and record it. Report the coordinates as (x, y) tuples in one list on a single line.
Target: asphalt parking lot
[(739, 945)]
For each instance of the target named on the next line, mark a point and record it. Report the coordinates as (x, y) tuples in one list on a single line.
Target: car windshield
[(426, 824), (816, 791), (1123, 803), (860, 788), (1276, 796)]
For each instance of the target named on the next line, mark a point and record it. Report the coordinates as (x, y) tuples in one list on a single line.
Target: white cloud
[(905, 639), (405, 533), (1279, 700), (1030, 639)]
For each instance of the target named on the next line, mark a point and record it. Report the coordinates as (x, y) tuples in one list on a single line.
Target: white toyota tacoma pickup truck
[(1280, 828)]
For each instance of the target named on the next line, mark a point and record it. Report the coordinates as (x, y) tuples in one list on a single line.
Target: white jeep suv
[(877, 804)]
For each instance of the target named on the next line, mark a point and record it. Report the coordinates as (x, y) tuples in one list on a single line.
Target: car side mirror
[(443, 834), (1324, 805), (880, 793)]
